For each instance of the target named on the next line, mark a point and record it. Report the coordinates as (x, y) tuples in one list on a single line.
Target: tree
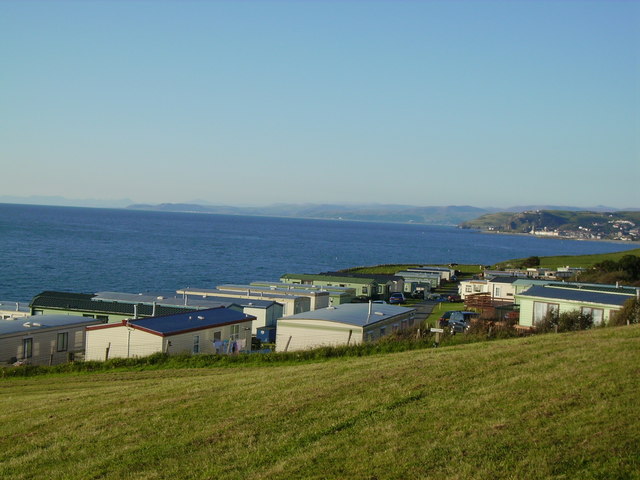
[(531, 262), (628, 314), (631, 265)]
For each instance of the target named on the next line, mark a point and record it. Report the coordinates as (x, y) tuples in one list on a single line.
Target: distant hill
[(575, 224), (462, 215), (437, 215)]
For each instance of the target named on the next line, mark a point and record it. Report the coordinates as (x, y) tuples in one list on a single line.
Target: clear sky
[(484, 103)]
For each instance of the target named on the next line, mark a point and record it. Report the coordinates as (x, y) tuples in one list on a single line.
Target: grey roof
[(272, 289), (353, 313), (221, 293), (33, 323), (194, 301), (437, 269), (596, 287), (322, 277), (303, 286), (576, 295), (417, 273), (170, 301)]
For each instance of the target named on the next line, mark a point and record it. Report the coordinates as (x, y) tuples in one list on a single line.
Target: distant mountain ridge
[(437, 215), (431, 215)]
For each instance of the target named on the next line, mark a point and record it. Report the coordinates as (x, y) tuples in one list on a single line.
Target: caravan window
[(27, 347), (540, 310), (596, 314), (62, 343)]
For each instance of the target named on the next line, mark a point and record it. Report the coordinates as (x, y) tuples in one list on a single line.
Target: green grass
[(584, 261), (550, 406), (439, 309), (390, 269), (393, 269)]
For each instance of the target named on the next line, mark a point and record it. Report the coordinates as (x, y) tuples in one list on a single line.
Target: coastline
[(621, 242)]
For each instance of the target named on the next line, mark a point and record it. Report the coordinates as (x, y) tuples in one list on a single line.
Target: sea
[(87, 250)]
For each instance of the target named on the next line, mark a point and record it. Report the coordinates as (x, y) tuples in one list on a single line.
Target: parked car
[(462, 316), (454, 298), (459, 322), (397, 297), (418, 293), (451, 316), (435, 297), (458, 326), (444, 319)]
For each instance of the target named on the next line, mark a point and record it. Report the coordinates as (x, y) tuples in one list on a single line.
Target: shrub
[(564, 322), (628, 314)]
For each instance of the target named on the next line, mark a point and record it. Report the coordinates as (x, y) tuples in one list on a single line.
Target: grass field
[(549, 406), (439, 309), (584, 261)]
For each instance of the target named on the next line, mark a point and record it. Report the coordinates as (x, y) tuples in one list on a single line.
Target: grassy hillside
[(584, 261), (550, 406), (600, 222)]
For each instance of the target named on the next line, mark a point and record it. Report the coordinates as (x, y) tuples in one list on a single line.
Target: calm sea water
[(88, 250)]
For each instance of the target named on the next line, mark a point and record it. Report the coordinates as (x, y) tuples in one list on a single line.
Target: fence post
[(51, 357), (106, 353), (288, 342)]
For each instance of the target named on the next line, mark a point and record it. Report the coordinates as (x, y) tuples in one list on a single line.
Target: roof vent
[(26, 324), (160, 298), (200, 317)]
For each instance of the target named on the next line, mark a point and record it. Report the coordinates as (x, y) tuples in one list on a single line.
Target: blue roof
[(184, 322), (576, 295), (503, 279)]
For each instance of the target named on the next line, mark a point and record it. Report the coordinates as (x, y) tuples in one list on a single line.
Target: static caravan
[(602, 304), (43, 339), (217, 330), (291, 303), (346, 324), (317, 298)]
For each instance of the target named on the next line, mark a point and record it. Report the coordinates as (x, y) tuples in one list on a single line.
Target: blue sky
[(259, 102)]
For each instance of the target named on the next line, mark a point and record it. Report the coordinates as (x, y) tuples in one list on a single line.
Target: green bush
[(564, 322), (628, 314)]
